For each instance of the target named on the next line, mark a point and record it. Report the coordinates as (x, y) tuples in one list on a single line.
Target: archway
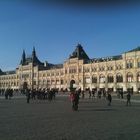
[(72, 83), (25, 85)]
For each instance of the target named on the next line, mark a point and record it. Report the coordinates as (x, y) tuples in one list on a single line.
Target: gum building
[(121, 72)]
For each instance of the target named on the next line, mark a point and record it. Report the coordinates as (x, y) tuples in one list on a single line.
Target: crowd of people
[(75, 95), (48, 94), (8, 93)]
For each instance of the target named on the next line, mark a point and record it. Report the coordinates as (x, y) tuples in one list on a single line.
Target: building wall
[(84, 75)]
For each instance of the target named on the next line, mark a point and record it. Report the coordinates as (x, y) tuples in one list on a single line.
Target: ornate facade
[(114, 73)]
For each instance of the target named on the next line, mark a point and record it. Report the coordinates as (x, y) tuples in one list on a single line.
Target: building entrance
[(72, 84), (24, 87)]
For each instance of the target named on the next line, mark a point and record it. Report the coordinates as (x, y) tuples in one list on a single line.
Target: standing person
[(6, 93), (83, 94), (27, 95), (104, 94), (76, 101), (118, 94), (99, 94), (121, 92), (109, 98), (93, 93), (128, 99), (72, 98), (10, 93), (89, 92)]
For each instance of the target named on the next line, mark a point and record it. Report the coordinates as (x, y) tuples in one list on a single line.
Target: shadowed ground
[(44, 120)]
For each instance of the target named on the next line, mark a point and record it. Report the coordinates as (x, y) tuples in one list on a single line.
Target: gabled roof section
[(105, 59), (48, 66), (30, 59), (135, 50), (8, 72), (79, 53)]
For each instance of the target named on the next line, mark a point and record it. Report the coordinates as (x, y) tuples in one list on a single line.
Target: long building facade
[(121, 72)]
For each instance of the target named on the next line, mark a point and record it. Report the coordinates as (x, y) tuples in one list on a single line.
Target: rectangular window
[(34, 82), (61, 82)]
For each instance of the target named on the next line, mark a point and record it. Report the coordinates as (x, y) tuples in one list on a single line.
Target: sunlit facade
[(114, 73)]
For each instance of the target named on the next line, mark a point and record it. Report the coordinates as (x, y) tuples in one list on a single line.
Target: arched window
[(110, 67), (119, 78), (119, 66), (102, 79), (94, 69), (138, 77), (94, 79), (129, 77), (129, 64), (101, 68), (110, 78)]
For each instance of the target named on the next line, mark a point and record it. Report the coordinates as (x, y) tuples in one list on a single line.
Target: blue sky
[(55, 31)]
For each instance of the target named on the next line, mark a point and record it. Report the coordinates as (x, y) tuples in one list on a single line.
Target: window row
[(111, 78)]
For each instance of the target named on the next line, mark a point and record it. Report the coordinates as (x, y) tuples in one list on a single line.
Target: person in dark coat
[(99, 94), (89, 92), (93, 93), (109, 98), (6, 93), (28, 95), (10, 93), (83, 94), (121, 93), (76, 100), (128, 102)]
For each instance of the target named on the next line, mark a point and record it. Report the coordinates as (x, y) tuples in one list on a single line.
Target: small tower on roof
[(35, 59), (34, 52), (23, 59), (79, 53)]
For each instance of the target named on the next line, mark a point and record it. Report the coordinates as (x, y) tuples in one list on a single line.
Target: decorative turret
[(79, 53), (34, 52), (35, 60), (23, 60), (30, 59)]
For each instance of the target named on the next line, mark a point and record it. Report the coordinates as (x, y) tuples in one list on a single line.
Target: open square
[(55, 120)]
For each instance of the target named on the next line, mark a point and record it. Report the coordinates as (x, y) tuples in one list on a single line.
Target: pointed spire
[(23, 55), (34, 52), (35, 59), (23, 59)]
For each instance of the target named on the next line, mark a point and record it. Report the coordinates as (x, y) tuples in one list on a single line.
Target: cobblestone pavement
[(44, 120)]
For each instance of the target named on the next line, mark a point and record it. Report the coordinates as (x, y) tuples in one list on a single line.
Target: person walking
[(128, 102)]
